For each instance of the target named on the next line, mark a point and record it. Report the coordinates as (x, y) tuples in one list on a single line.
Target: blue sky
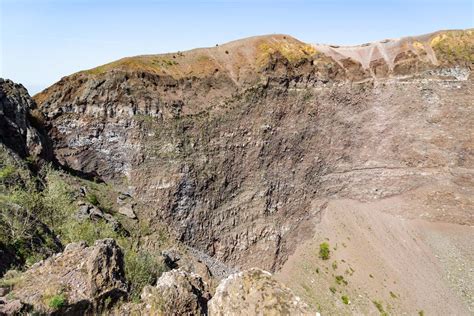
[(44, 40)]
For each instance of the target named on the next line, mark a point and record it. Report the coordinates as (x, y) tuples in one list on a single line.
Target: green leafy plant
[(345, 300), (57, 301), (324, 251)]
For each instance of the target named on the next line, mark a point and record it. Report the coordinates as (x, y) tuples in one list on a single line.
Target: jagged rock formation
[(177, 293), (20, 122), (255, 292), (81, 279)]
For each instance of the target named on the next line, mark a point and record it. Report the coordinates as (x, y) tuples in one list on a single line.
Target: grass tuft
[(57, 301)]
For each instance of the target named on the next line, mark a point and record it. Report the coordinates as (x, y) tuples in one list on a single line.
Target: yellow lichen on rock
[(292, 50), (454, 46)]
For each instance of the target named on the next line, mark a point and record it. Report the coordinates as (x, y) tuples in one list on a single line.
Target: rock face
[(255, 292), (81, 280), (238, 148), (20, 121), (177, 293)]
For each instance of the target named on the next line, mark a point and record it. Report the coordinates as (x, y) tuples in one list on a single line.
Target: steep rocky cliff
[(21, 122), (241, 148)]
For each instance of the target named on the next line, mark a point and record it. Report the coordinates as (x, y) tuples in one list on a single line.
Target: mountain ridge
[(267, 39)]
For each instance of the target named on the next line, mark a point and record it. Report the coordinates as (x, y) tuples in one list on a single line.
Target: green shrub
[(141, 268), (58, 206), (345, 300), (332, 289), (92, 199), (86, 230), (324, 251), (57, 301), (14, 226), (7, 172)]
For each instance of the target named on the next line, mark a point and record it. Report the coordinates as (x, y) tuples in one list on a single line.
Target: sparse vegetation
[(324, 251), (454, 46), (24, 208), (6, 172), (291, 50), (340, 280), (345, 300), (23, 214), (334, 265), (380, 308), (332, 289), (11, 278)]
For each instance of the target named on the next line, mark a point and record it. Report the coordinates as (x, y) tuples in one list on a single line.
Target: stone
[(255, 292), (171, 257), (127, 210), (13, 307), (91, 212), (4, 291), (177, 293)]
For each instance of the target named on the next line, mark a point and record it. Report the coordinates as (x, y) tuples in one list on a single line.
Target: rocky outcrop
[(87, 211), (81, 280), (238, 148), (255, 292), (177, 293), (21, 122)]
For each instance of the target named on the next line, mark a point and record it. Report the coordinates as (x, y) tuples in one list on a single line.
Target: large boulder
[(255, 292), (81, 280), (177, 293)]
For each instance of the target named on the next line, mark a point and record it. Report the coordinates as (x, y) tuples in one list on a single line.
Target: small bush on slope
[(57, 301), (324, 252), (141, 268)]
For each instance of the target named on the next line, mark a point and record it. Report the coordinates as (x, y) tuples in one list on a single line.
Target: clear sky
[(44, 40)]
